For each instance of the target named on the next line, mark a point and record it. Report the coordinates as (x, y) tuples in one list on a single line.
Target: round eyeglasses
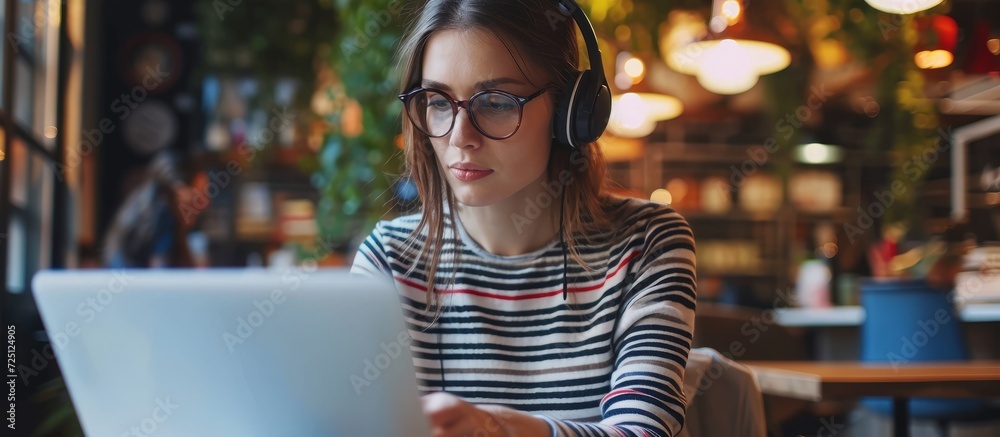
[(495, 114)]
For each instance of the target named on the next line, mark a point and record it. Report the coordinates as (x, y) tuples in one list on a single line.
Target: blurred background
[(809, 143)]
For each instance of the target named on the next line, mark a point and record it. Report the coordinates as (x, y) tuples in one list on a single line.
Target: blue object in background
[(908, 321), (406, 190)]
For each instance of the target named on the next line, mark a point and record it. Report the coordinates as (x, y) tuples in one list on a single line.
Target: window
[(31, 214)]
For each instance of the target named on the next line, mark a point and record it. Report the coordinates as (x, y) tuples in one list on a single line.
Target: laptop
[(249, 352)]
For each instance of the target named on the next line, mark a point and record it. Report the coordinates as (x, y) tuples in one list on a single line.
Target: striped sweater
[(608, 361)]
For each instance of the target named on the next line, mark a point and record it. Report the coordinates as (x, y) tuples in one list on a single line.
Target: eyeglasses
[(495, 114)]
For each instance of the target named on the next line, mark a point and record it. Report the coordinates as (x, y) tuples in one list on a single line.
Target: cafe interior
[(837, 160)]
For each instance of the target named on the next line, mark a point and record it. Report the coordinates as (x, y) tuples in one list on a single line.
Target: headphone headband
[(570, 7), (585, 106)]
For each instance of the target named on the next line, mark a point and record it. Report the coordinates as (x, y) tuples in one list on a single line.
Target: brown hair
[(535, 32)]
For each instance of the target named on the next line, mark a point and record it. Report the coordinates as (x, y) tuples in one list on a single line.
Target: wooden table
[(826, 380)]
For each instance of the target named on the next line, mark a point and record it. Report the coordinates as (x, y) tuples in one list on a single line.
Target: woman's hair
[(538, 35)]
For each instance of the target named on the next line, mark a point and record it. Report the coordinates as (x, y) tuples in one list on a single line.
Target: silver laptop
[(232, 352)]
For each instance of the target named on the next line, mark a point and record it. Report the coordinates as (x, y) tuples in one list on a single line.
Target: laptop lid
[(248, 352)]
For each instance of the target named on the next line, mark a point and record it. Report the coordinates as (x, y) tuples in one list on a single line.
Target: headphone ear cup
[(583, 111), (594, 111), (562, 122)]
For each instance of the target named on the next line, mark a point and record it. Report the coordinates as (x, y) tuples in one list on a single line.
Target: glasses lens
[(431, 113), (497, 115)]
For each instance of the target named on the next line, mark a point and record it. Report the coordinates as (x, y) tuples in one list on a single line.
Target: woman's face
[(462, 63)]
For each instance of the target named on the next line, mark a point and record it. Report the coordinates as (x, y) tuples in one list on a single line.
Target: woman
[(509, 338)]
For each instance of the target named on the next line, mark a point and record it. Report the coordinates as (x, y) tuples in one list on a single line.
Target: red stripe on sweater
[(543, 294), (620, 391)]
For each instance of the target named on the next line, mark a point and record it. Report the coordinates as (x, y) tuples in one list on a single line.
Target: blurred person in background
[(153, 227)]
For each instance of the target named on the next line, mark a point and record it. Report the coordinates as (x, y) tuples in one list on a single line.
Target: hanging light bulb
[(727, 69), (630, 118), (733, 57), (903, 7), (634, 115)]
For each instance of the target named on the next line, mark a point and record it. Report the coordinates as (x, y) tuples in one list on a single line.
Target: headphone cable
[(562, 241)]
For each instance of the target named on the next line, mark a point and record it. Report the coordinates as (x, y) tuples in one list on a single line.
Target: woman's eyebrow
[(481, 85), (491, 83)]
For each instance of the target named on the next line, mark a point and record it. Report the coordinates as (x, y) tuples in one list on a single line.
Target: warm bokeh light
[(993, 45), (634, 115), (629, 117), (623, 81), (817, 153), (51, 131), (731, 10), (634, 68), (829, 250), (662, 196), (729, 66), (631, 110), (931, 59), (727, 69), (903, 7)]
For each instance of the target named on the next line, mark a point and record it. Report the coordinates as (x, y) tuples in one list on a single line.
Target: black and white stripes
[(609, 361)]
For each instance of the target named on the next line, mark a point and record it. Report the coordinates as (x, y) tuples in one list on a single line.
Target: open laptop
[(232, 352)]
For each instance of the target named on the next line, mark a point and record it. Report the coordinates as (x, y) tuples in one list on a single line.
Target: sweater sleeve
[(652, 340), (371, 258)]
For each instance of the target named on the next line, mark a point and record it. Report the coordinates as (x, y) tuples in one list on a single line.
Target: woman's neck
[(522, 223)]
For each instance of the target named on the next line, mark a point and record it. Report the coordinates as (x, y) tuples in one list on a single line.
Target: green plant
[(266, 40), (355, 171), (908, 121)]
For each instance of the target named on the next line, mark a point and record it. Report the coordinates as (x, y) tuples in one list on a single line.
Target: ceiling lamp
[(726, 63), (634, 115), (903, 7)]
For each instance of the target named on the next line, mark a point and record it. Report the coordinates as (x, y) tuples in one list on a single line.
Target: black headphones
[(583, 111)]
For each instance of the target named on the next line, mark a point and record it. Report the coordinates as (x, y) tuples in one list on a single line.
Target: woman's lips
[(467, 175)]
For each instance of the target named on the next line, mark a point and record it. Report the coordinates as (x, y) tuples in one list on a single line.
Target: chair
[(908, 321), (723, 397), (720, 326)]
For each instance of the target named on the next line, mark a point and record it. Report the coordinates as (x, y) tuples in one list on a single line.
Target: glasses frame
[(464, 104)]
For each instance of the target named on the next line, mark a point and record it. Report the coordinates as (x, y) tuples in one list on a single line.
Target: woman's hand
[(451, 416)]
